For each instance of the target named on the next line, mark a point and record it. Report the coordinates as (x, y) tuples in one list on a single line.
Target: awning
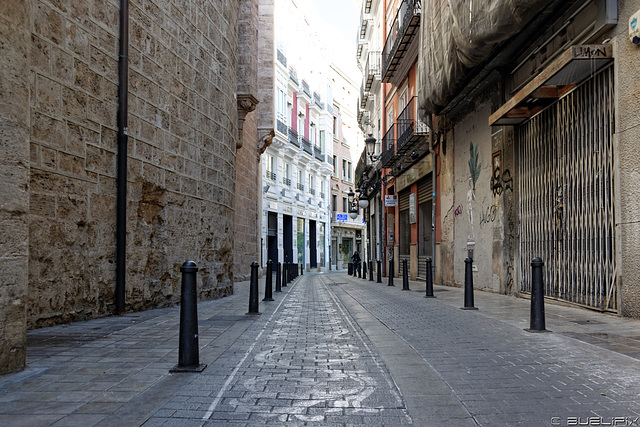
[(556, 80)]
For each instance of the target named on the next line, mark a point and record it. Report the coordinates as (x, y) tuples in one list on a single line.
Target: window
[(312, 134), (335, 166), (349, 172), (312, 184), (286, 179), (334, 202), (281, 106), (270, 162), (345, 204), (322, 141), (344, 169), (335, 124)]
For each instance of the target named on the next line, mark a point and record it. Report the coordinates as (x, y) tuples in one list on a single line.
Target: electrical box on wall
[(634, 28)]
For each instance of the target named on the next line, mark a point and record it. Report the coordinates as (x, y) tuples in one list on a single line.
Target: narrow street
[(335, 350)]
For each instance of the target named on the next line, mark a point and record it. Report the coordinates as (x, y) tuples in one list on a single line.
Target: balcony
[(306, 145), (364, 96), (300, 187), (403, 31), (317, 152), (293, 75), (281, 127), (282, 58), (312, 191), (271, 176), (411, 131), (388, 158), (293, 137), (317, 99), (305, 89), (286, 181), (371, 69)]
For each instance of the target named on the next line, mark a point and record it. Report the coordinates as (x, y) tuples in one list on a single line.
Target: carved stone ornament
[(265, 141), (246, 104)]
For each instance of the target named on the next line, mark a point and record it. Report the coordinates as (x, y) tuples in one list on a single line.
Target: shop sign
[(412, 208), (342, 217), (390, 201)]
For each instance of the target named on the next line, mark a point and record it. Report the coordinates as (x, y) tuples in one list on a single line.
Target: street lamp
[(353, 206), (370, 144)]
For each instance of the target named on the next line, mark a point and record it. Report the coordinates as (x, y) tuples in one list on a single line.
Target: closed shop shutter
[(403, 199), (425, 190)]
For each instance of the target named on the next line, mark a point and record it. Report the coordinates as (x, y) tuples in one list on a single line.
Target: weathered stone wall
[(15, 45), (247, 195), (182, 145), (627, 106)]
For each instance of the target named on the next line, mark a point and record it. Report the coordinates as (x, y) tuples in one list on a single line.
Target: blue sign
[(342, 217)]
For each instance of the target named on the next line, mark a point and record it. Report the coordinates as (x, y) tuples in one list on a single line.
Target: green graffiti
[(474, 166)]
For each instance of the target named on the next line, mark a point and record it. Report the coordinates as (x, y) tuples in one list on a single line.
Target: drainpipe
[(121, 215), (434, 187)]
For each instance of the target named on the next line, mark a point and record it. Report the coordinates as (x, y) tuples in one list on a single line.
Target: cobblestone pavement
[(335, 350), (502, 374), (305, 362)]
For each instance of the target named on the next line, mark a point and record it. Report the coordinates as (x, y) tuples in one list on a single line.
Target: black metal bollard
[(370, 271), (287, 266), (253, 290), (429, 280), (468, 285), (268, 285), (284, 274), (379, 272), (302, 269), (278, 278), (390, 273), (188, 357), (359, 268), (364, 270), (405, 276), (537, 297)]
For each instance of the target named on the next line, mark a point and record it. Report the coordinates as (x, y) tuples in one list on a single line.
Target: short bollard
[(379, 272), (429, 280), (284, 274), (364, 270), (268, 284), (359, 268), (302, 269), (405, 276), (253, 290), (390, 273), (468, 285), (370, 271), (188, 357), (350, 269), (537, 323), (278, 278)]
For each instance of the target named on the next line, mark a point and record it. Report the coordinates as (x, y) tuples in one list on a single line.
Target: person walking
[(355, 258)]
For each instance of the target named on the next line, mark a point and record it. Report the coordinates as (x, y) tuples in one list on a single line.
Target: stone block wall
[(182, 147), (15, 45)]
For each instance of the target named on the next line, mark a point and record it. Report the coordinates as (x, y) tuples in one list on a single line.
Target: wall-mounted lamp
[(266, 188)]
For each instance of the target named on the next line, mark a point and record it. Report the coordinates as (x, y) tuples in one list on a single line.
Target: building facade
[(63, 126), (347, 233), (529, 124), (296, 166)]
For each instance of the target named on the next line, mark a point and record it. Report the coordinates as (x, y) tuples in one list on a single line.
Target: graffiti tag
[(458, 210), (489, 215)]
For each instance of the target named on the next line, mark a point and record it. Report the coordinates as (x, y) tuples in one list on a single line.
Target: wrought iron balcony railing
[(387, 158), (411, 130), (371, 69), (402, 32), (293, 137), (306, 145)]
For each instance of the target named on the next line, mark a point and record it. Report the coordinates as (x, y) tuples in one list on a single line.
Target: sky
[(341, 20)]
